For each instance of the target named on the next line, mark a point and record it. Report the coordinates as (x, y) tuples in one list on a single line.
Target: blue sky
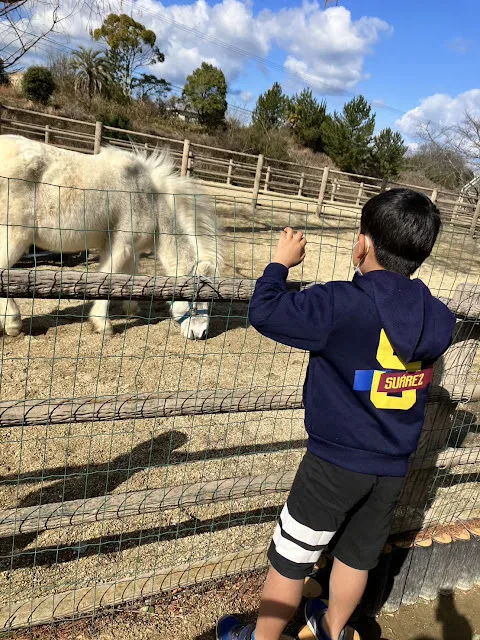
[(418, 58)]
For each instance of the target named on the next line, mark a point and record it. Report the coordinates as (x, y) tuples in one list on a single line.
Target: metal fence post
[(98, 137), (186, 152), (323, 188), (256, 184)]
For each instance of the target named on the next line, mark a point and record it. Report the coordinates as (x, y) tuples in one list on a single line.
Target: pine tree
[(306, 116), (348, 135), (270, 110), (387, 155)]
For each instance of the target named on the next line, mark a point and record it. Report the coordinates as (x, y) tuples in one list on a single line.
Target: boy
[(372, 343)]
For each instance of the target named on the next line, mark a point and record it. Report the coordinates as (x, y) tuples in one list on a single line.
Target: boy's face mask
[(357, 267)]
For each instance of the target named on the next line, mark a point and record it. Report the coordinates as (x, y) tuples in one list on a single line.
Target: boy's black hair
[(403, 225)]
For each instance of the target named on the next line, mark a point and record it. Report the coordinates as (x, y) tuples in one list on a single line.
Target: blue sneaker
[(230, 628), (315, 610)]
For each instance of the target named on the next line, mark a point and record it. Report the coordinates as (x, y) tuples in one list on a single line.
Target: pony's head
[(194, 317)]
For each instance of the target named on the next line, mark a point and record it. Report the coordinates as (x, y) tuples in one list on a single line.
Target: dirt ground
[(58, 356), (191, 615)]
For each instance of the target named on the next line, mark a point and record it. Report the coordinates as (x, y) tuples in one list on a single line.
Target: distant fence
[(259, 176)]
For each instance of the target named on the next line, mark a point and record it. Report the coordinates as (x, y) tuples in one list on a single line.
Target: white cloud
[(460, 45), (326, 47), (440, 109)]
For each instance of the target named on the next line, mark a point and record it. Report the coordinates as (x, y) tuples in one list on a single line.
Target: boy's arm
[(297, 319)]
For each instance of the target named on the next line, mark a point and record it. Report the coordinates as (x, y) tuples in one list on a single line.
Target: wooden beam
[(88, 285), (146, 405), (138, 503), (66, 284), (450, 383), (87, 600)]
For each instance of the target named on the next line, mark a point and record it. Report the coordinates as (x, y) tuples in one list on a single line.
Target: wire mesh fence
[(135, 459)]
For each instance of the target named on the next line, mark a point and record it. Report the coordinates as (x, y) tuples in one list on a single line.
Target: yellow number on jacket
[(387, 359)]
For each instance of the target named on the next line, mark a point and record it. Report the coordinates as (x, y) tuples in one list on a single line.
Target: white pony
[(121, 203)]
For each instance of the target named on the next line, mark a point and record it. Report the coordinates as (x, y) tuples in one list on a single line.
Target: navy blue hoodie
[(372, 346)]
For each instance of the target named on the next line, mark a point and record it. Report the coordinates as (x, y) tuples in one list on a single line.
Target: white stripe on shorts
[(303, 533), (291, 551)]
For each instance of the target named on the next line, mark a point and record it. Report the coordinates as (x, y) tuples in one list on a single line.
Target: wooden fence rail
[(234, 169), (139, 503), (91, 285)]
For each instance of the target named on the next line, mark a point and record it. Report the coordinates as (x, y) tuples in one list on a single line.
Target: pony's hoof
[(13, 330), (104, 329), (131, 308)]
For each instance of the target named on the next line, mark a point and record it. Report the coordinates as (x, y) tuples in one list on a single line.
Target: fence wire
[(107, 505)]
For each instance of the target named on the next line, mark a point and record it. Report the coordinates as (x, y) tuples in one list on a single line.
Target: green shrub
[(110, 117), (38, 84)]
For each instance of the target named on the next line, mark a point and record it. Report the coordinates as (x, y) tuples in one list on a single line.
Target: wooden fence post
[(323, 188), (383, 186), (476, 216), (47, 134), (230, 171), (256, 184), (186, 152), (98, 137), (189, 164), (434, 195), (302, 182), (334, 189), (267, 178), (1, 118), (359, 194), (457, 206)]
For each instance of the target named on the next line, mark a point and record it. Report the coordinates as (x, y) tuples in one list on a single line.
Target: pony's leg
[(177, 259), (130, 307), (112, 260), (12, 248)]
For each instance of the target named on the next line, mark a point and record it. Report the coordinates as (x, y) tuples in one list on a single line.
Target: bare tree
[(21, 30), (453, 150)]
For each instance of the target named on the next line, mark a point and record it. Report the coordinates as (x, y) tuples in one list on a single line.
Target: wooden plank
[(52, 284), (441, 549), (88, 600), (419, 562), (138, 503), (146, 405)]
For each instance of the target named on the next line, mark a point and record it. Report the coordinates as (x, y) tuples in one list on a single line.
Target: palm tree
[(91, 71)]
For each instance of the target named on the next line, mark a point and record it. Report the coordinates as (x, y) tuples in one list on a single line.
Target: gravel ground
[(58, 356), (191, 615)]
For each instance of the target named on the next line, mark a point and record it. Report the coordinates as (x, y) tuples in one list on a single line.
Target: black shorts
[(348, 511)]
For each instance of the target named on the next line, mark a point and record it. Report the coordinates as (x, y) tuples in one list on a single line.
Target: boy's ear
[(362, 244)]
